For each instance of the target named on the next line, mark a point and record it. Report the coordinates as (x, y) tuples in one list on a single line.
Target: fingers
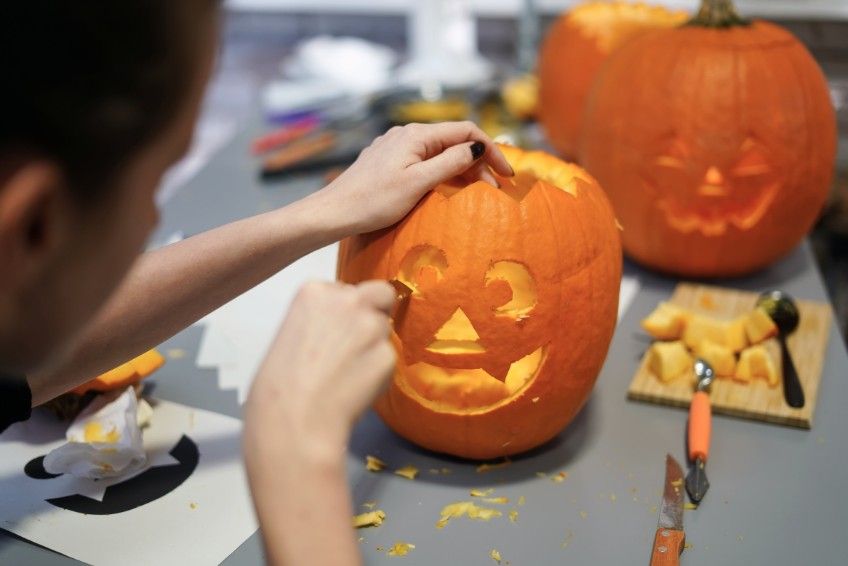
[(455, 161), (377, 294), (381, 360), (439, 137), (480, 172)]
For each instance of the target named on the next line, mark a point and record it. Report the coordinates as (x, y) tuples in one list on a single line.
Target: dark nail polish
[(478, 148)]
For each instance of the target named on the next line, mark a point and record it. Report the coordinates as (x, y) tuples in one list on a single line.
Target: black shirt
[(15, 400)]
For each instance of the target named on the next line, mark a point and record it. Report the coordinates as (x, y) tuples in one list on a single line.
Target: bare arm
[(170, 288)]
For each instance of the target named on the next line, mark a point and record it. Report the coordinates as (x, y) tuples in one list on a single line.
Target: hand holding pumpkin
[(398, 168)]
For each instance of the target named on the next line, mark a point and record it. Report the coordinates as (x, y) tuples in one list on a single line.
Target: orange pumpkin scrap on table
[(575, 47), (715, 142), (513, 305)]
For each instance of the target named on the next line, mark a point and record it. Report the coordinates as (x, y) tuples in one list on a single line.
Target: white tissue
[(114, 446)]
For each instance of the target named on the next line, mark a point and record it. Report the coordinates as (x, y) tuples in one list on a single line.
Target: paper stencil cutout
[(236, 336), (193, 489)]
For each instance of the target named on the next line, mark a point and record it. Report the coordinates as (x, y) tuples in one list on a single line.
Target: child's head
[(100, 97)]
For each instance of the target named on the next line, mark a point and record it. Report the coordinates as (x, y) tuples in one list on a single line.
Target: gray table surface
[(777, 497)]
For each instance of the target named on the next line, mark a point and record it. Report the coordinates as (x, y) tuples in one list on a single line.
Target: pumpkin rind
[(716, 146), (551, 221), (575, 47)]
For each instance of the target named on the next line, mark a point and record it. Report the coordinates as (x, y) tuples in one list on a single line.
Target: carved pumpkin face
[(470, 335), (716, 146), (514, 298), (710, 189)]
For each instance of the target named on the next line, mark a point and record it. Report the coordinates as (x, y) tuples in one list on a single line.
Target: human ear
[(35, 215)]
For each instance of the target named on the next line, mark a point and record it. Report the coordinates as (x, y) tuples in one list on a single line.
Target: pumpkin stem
[(717, 14)]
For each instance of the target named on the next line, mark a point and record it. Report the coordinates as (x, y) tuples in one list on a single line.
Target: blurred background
[(362, 65)]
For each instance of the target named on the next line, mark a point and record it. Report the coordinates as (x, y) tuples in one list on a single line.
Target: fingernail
[(478, 148), (511, 171)]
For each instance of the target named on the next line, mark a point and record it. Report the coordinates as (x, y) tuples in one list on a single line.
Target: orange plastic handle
[(699, 426)]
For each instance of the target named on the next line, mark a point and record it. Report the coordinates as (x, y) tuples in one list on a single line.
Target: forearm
[(301, 501), (170, 288)]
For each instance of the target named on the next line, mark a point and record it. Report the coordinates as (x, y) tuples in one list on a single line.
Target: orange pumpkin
[(126, 374), (513, 305), (574, 49), (715, 141)]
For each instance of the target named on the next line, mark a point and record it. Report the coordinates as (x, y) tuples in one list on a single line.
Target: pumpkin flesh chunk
[(756, 362), (668, 360), (730, 333), (759, 326), (719, 356), (666, 322)]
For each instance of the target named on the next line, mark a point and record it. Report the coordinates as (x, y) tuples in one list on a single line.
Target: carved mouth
[(713, 218), (455, 347), (469, 390)]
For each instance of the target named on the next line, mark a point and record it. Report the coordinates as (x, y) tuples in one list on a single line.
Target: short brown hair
[(90, 82)]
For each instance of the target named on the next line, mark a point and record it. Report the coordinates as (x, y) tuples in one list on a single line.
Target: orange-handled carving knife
[(668, 542)]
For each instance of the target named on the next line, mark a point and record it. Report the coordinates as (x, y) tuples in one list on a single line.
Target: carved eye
[(521, 284), (753, 160), (675, 154), (422, 267)]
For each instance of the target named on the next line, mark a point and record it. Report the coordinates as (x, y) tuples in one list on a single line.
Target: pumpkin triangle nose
[(713, 176), (458, 327)]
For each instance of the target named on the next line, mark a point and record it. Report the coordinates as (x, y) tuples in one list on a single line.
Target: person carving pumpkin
[(104, 100)]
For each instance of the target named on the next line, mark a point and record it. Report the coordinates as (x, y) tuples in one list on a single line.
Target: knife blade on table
[(669, 539)]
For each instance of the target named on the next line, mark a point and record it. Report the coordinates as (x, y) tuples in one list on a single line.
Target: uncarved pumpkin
[(124, 375), (575, 47), (514, 300), (715, 141)]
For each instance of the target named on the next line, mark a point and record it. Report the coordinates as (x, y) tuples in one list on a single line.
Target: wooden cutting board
[(754, 400)]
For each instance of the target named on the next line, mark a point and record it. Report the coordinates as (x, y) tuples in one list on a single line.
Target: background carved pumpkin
[(574, 49), (515, 294), (715, 142)]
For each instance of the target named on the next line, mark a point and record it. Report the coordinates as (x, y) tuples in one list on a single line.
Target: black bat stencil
[(139, 490)]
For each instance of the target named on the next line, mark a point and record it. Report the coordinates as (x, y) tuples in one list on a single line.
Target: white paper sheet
[(190, 505), (237, 335), (629, 287)]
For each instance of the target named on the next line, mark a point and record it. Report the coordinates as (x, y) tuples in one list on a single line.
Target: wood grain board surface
[(754, 400)]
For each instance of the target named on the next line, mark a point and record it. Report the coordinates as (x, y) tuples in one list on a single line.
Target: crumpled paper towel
[(103, 441)]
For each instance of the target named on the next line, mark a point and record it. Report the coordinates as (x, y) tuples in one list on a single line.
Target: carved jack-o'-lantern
[(513, 304), (715, 141)]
